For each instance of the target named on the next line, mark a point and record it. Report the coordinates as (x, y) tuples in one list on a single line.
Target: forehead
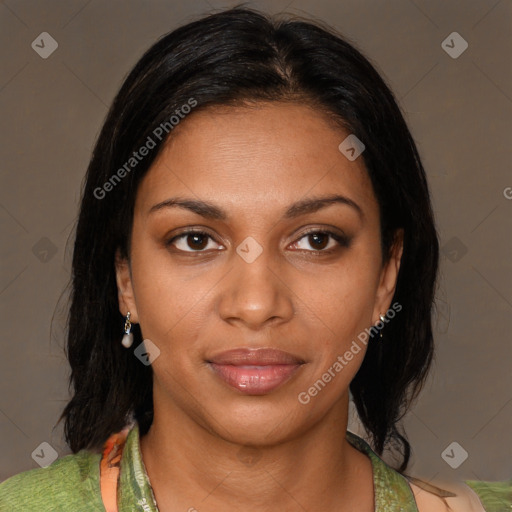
[(259, 157)]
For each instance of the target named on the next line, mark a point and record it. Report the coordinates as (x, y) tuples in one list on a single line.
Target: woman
[(255, 244)]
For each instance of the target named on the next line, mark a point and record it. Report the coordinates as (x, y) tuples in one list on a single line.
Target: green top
[(72, 484), (495, 496)]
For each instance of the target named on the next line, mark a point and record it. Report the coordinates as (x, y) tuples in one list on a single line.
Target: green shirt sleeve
[(495, 496), (69, 484)]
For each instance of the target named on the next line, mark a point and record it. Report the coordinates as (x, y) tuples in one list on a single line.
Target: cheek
[(336, 313), (341, 298), (163, 293)]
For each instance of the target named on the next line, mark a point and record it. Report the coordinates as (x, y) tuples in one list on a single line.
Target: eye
[(192, 241), (321, 241)]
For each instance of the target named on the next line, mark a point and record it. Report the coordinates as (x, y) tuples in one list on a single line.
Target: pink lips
[(255, 371)]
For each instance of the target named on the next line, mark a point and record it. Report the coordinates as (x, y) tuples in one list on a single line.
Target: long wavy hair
[(232, 57)]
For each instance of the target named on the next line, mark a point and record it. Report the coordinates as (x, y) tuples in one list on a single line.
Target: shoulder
[(445, 497), (70, 483), (495, 496)]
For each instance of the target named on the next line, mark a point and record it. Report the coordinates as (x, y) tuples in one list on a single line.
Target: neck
[(192, 467)]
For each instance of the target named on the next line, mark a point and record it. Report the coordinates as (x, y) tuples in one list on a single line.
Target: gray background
[(459, 111)]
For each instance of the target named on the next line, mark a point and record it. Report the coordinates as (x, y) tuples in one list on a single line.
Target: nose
[(256, 294)]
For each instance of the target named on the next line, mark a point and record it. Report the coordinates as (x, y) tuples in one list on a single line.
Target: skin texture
[(210, 446), (465, 499)]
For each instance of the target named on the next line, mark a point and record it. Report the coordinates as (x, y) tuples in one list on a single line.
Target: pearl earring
[(127, 340), (382, 318)]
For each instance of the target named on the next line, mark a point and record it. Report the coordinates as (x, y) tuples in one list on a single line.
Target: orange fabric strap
[(110, 466)]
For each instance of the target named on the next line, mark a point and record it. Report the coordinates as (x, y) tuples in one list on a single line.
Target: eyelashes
[(340, 240), (201, 241), (197, 234)]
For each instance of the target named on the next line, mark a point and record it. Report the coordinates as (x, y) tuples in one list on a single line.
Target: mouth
[(255, 371)]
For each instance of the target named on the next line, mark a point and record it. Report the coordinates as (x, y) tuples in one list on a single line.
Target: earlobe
[(125, 293)]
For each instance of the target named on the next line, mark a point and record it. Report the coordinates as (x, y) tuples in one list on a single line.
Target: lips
[(255, 371)]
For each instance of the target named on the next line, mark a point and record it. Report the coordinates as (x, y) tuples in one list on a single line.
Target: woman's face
[(259, 278)]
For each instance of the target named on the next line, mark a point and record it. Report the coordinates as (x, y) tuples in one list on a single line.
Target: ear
[(388, 277), (125, 293)]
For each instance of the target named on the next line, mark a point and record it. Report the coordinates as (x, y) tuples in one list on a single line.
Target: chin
[(256, 424)]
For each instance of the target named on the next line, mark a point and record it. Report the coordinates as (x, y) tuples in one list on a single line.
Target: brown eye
[(196, 241), (321, 241), (192, 241), (318, 240)]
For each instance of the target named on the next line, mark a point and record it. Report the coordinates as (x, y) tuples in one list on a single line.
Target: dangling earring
[(127, 340), (382, 318)]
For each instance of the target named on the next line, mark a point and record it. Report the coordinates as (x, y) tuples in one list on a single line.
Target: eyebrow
[(214, 212)]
